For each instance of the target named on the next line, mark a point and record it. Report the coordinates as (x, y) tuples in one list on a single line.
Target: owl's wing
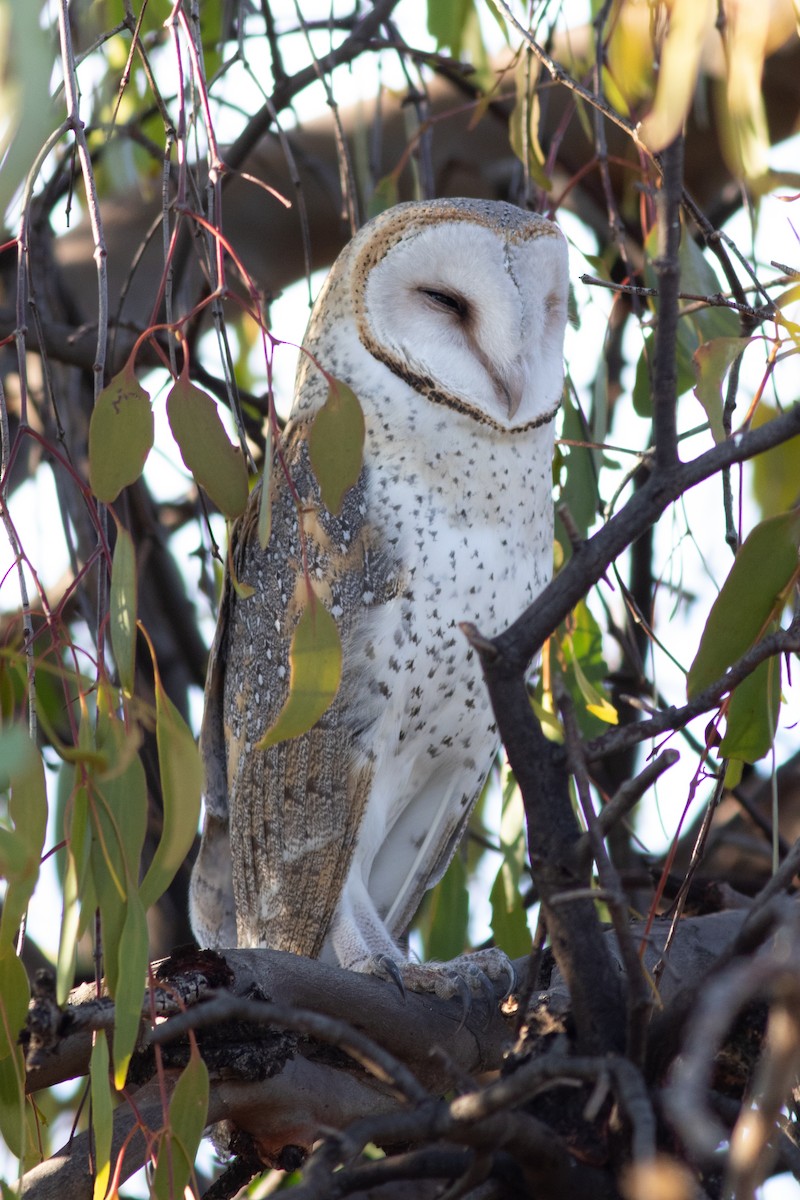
[(281, 823)]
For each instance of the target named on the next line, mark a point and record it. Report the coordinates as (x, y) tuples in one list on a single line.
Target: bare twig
[(631, 792), (784, 641), (639, 995)]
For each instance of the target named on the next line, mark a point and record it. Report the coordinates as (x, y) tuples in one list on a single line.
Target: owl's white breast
[(471, 532)]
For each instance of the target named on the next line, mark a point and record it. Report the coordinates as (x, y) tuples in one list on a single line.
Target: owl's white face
[(471, 313)]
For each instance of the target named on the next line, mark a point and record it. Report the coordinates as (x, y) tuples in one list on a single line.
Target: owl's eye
[(453, 303)]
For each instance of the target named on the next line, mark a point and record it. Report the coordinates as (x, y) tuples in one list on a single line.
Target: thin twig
[(638, 992), (784, 641)]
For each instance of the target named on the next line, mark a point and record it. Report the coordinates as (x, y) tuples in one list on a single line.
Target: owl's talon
[(487, 988), (388, 967), (512, 978), (464, 993)]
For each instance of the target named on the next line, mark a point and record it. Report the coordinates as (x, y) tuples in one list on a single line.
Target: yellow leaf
[(630, 76), (689, 22), (743, 120), (315, 660), (596, 702), (523, 124), (243, 590), (102, 1114)]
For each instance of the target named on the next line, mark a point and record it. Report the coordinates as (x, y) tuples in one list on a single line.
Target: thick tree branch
[(557, 866)]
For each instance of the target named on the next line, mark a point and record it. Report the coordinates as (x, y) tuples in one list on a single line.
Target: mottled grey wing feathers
[(295, 808)]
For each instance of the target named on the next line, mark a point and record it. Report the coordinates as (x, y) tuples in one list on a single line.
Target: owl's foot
[(467, 976)]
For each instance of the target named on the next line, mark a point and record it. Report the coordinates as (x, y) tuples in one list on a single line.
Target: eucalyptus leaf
[(120, 435), (762, 571), (315, 660), (336, 445), (216, 464)]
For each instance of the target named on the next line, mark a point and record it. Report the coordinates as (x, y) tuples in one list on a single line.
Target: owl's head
[(464, 300)]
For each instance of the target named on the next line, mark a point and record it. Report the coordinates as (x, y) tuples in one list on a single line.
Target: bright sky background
[(34, 505)]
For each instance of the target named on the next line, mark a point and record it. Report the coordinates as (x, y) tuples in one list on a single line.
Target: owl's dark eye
[(453, 303)]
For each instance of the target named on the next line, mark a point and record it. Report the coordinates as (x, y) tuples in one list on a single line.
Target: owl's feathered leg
[(361, 942)]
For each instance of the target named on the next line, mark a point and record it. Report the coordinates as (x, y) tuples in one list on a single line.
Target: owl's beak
[(511, 389)]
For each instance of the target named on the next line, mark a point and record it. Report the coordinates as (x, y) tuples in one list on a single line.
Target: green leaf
[(12, 859), (102, 1114), (188, 1109), (336, 444), (579, 490), (384, 195), (118, 818), (712, 361), (122, 607), (762, 571), (509, 919), (753, 714), (315, 660), (181, 771), (216, 464), (14, 997), (120, 435), (687, 343), (446, 23), (265, 499), (448, 914), (698, 278), (21, 851), (132, 959), (695, 328), (14, 1127), (777, 471), (29, 114)]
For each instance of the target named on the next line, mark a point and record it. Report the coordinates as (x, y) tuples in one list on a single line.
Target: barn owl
[(446, 319)]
